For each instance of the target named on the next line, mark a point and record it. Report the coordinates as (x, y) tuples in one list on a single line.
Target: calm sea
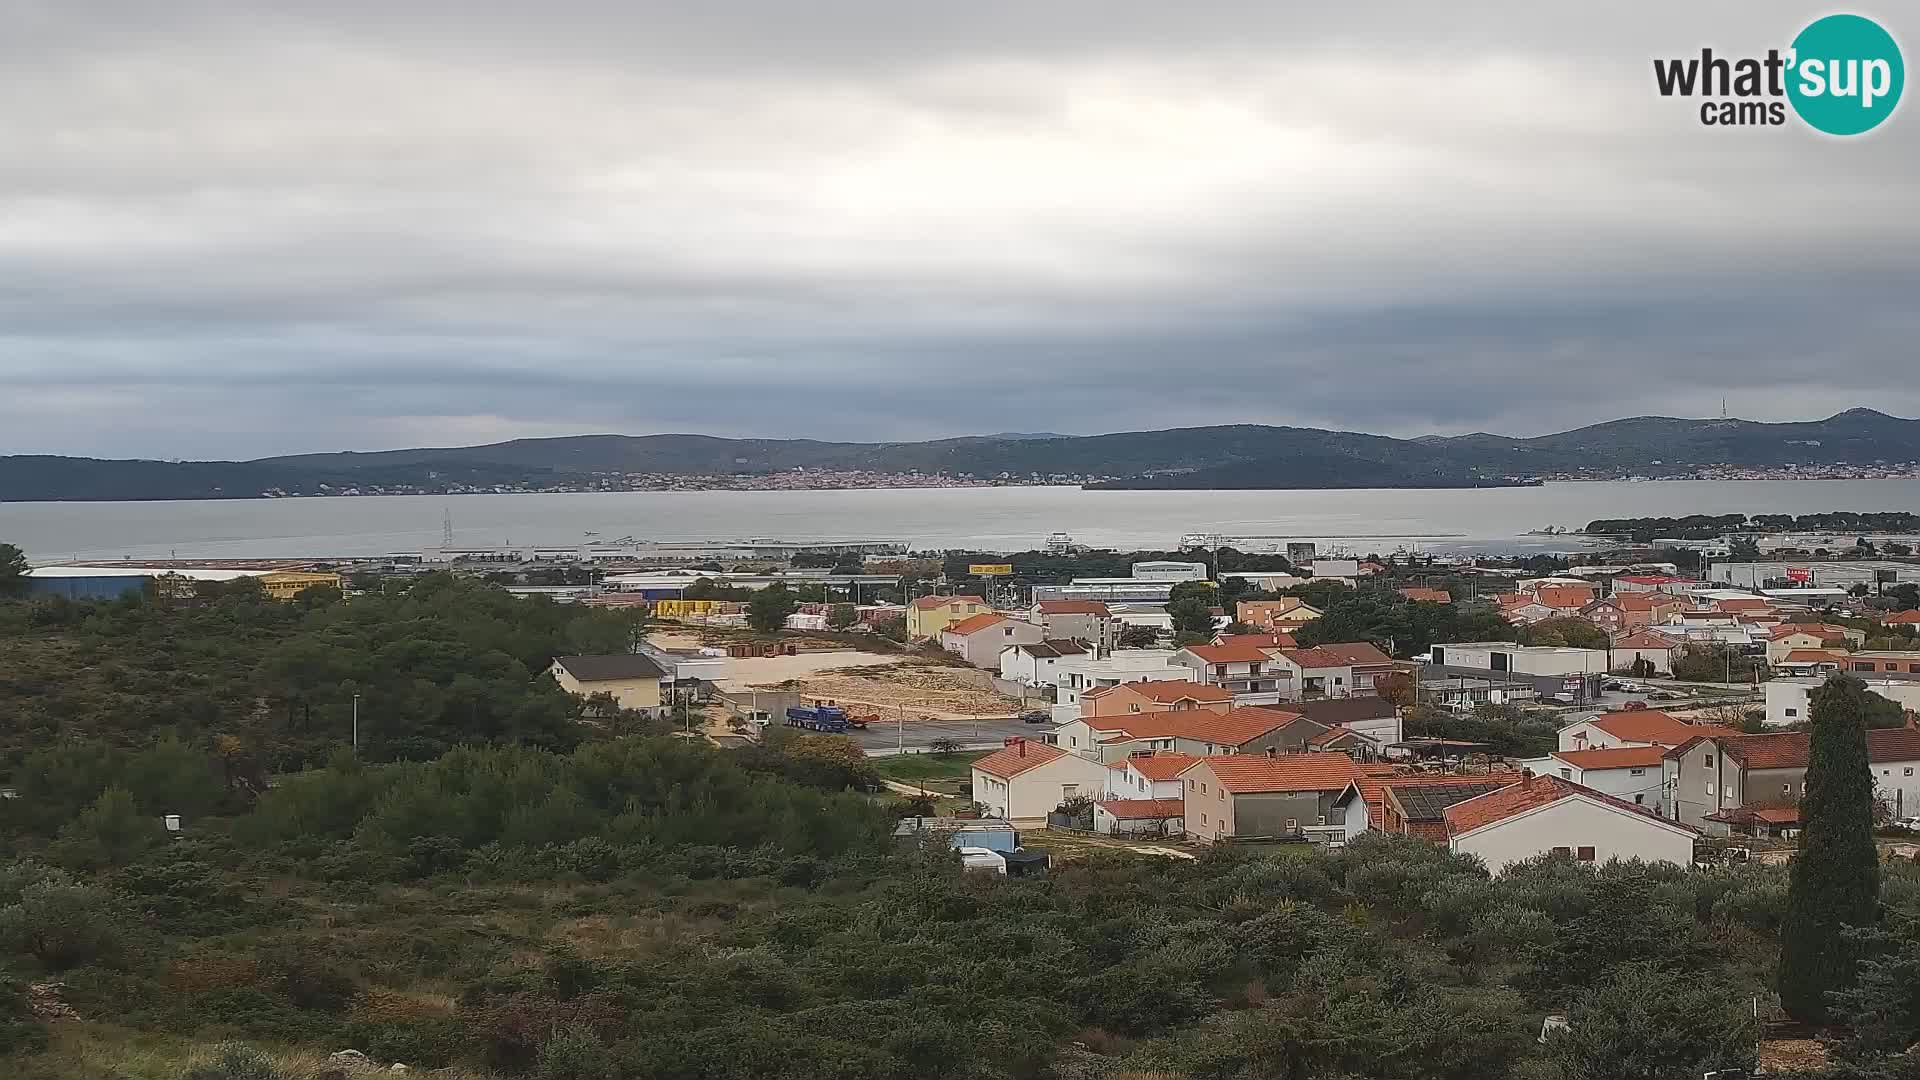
[(992, 519)]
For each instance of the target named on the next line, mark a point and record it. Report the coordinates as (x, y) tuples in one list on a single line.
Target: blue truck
[(819, 718)]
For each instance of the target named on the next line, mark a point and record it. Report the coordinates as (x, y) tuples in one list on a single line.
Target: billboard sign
[(990, 569), (1799, 574)]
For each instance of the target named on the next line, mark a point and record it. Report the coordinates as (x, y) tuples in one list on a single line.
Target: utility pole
[(356, 725)]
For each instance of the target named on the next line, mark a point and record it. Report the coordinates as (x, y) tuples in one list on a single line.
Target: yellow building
[(929, 615), (287, 584), (681, 609), (632, 680)]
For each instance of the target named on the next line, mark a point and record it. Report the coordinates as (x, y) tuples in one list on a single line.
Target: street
[(917, 735)]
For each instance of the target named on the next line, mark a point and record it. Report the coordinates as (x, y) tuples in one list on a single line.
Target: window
[(1586, 854), (1793, 712), (1709, 761), (1223, 794), (1566, 774), (1068, 791), (1203, 789), (1292, 824), (1786, 789), (1323, 819), (1709, 787), (1913, 669), (1636, 772), (1639, 800), (1908, 771), (1190, 784)]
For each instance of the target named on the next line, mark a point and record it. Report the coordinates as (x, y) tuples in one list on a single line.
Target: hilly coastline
[(1243, 456)]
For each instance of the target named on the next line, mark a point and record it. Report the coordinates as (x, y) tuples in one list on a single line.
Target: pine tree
[(1836, 876)]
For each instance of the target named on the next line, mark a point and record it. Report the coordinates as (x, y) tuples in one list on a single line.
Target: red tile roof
[(1316, 658), (1157, 765), (1904, 618), (1245, 774), (1655, 727), (1569, 597), (1823, 631), (1653, 579), (1744, 604), (1789, 749), (928, 603), (1373, 789), (1265, 641), (1431, 596), (1643, 601), (1811, 656), (1168, 691), (1072, 607), (1646, 639), (1010, 761), (1144, 809), (1359, 653), (975, 623), (1531, 794), (1618, 757), (1230, 654), (1232, 728)]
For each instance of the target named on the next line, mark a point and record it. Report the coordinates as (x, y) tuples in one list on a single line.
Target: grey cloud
[(231, 229)]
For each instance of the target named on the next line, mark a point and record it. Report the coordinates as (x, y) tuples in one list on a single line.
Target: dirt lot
[(919, 690)]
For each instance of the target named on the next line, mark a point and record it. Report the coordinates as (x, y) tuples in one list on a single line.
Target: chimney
[(1020, 744)]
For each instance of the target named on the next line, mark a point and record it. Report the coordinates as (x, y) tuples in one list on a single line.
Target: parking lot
[(919, 735)]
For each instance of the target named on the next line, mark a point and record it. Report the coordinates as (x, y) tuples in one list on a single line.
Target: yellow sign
[(990, 569)]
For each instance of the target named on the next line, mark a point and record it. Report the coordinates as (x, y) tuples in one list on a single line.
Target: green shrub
[(62, 925), (234, 1061)]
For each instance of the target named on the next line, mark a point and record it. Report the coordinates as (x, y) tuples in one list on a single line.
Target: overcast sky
[(238, 229)]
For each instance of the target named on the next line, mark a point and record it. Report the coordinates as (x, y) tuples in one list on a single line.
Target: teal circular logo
[(1846, 75)]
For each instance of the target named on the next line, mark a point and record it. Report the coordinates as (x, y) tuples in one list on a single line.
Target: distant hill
[(1232, 456)]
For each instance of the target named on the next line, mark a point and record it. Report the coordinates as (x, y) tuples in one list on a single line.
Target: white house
[(1634, 774), (1152, 775), (1521, 659), (1657, 649), (1788, 702), (1024, 780), (1548, 815), (978, 640), (1074, 676), (1037, 664)]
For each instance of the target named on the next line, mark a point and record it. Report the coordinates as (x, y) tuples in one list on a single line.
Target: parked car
[(1036, 716)]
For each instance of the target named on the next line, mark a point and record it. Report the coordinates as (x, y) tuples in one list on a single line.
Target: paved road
[(917, 735)]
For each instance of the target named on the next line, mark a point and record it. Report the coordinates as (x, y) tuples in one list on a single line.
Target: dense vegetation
[(1706, 526), (504, 885)]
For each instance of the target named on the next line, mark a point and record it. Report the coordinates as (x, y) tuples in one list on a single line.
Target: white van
[(984, 859)]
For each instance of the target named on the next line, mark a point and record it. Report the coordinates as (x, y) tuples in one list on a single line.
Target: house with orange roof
[(1024, 780), (1715, 773), (1622, 612), (1324, 671), (1649, 583), (1247, 670), (1242, 797), (1634, 727), (1564, 599), (1901, 618), (1633, 773), (1268, 640), (1412, 804), (928, 615), (1652, 647), (1810, 662), (1140, 818), (1148, 774), (1199, 732), (1526, 611), (979, 639), (1549, 815), (1154, 695), (1427, 596), (1364, 661), (1790, 637), (1283, 615)]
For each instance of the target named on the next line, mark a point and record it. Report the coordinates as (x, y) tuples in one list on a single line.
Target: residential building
[(1902, 618), (1789, 702), (1564, 599), (1088, 621), (1712, 774), (632, 680), (979, 639), (1320, 672), (1024, 780), (1798, 637), (1654, 648), (1148, 774), (1523, 659), (1250, 672), (1634, 774), (1241, 797), (1074, 676), (1634, 727), (1543, 815), (1427, 596), (1413, 804), (1460, 687), (1037, 664), (929, 615), (1154, 695), (1199, 732), (1368, 715), (1140, 818), (1284, 615), (1268, 640), (1801, 662), (1885, 662), (1622, 612), (1364, 661)]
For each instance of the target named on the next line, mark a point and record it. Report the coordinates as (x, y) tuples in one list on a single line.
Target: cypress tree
[(1836, 876)]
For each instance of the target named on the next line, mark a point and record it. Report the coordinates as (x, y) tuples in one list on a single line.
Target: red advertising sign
[(1798, 573)]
